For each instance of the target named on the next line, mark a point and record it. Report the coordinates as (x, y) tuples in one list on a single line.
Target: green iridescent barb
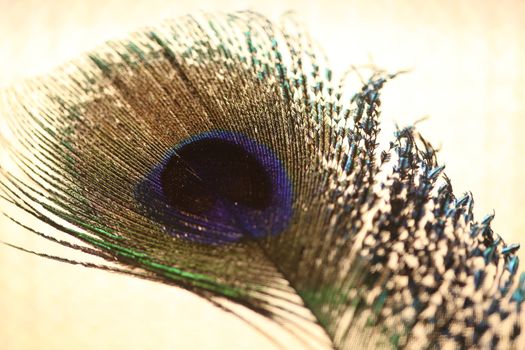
[(217, 153)]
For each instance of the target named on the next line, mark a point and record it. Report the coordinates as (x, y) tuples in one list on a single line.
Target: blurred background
[(466, 77)]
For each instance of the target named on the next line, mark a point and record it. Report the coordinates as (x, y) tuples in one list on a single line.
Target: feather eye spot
[(223, 184)]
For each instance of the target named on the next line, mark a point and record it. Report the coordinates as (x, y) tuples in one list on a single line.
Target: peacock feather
[(219, 154)]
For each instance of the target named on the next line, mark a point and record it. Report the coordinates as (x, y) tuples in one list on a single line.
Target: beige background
[(468, 76)]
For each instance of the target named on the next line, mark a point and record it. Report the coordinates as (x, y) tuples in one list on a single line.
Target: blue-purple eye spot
[(218, 187)]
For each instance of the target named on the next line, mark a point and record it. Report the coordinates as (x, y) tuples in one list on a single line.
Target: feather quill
[(219, 154)]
